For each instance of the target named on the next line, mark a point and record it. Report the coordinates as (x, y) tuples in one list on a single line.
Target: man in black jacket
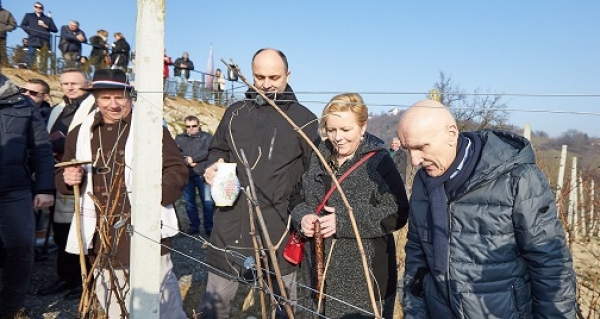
[(38, 26), (278, 156), (181, 70), (194, 144), (71, 38), (25, 149)]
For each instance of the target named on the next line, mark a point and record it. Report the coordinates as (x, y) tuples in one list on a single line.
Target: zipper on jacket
[(449, 292), (272, 143)]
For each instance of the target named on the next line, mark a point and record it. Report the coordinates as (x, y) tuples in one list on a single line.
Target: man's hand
[(73, 175), (43, 201), (211, 171), (190, 162), (80, 37)]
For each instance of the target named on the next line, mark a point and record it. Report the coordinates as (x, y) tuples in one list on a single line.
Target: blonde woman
[(377, 196)]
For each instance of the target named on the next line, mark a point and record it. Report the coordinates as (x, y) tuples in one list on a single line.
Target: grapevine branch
[(298, 130)]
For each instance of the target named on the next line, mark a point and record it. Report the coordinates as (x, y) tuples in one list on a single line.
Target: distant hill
[(384, 125)]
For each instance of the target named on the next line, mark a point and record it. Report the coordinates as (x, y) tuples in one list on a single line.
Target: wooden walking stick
[(76, 195)]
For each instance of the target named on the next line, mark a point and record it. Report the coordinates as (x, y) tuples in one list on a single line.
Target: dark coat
[(279, 156), (24, 144), (400, 160), (45, 110), (120, 53), (98, 48), (378, 200), (69, 41), (63, 122), (177, 69), (196, 146), (38, 36), (508, 255)]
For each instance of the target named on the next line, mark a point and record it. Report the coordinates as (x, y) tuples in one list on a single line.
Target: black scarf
[(439, 190)]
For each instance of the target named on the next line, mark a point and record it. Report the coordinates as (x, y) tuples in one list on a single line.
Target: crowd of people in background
[(73, 43), (40, 28)]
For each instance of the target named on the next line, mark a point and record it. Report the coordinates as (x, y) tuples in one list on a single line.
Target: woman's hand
[(307, 225), (328, 222)]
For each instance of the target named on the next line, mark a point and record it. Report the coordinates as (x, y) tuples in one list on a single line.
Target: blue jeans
[(30, 54), (17, 233), (181, 85), (196, 182)]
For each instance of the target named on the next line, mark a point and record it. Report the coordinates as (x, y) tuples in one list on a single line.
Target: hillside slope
[(174, 110)]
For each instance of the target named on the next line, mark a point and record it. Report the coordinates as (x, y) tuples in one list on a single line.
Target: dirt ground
[(191, 274), (586, 260), (192, 278)]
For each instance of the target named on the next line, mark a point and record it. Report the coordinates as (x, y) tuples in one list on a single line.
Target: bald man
[(484, 239), (278, 156)]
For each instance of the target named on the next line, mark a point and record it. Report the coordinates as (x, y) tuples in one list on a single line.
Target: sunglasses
[(190, 126), (31, 92), (38, 7)]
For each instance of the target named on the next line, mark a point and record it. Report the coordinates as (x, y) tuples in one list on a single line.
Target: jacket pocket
[(522, 298), (491, 304), (15, 121)]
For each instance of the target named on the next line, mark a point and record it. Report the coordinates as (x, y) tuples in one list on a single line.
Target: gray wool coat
[(377, 196)]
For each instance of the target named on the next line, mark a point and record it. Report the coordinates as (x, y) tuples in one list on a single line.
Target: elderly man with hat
[(103, 138)]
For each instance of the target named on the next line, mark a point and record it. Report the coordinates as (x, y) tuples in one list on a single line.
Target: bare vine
[(298, 130)]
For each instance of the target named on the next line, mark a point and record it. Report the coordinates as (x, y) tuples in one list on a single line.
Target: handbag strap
[(333, 187)]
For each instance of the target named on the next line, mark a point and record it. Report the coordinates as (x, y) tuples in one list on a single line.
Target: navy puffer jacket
[(24, 144), (508, 256)]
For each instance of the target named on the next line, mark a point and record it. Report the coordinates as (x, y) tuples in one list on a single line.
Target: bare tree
[(472, 111)]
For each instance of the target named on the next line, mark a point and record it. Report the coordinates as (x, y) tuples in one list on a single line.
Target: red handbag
[(295, 245)]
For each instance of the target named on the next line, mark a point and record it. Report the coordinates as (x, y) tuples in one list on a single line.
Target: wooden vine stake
[(263, 227), (257, 251), (234, 67)]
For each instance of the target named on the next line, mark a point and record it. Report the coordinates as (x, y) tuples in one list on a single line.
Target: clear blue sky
[(535, 47)]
